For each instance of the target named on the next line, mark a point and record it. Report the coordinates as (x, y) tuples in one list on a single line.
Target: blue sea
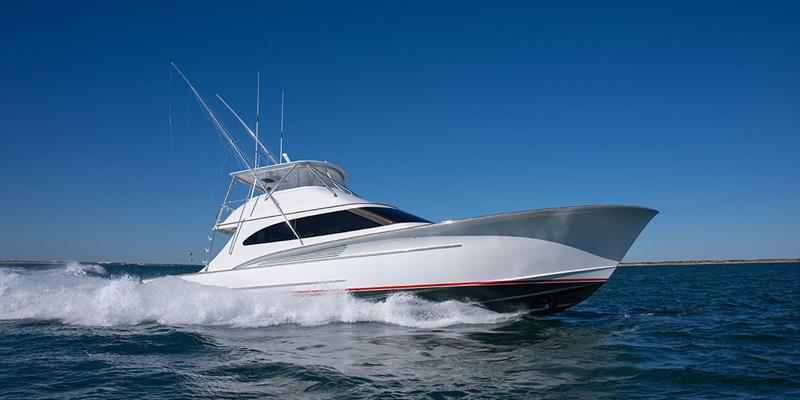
[(90, 331)]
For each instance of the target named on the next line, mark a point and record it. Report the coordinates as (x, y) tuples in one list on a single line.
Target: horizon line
[(621, 264)]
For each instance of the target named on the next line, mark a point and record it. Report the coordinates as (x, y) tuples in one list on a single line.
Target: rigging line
[(169, 89), (178, 187), (210, 242), (172, 142), (216, 187), (171, 139), (186, 131), (217, 220), (242, 158), (250, 131), (182, 171)]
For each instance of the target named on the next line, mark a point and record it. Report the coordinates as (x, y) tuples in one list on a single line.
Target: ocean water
[(90, 331)]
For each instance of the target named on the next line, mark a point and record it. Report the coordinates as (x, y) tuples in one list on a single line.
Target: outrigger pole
[(214, 120), (247, 128), (224, 132)]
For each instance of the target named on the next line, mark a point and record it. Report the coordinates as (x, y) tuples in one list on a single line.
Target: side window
[(335, 222), (330, 223), (388, 216), (272, 233)]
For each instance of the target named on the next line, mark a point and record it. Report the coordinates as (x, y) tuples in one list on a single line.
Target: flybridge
[(294, 174)]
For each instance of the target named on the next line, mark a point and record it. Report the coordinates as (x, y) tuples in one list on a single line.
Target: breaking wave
[(79, 269), (84, 294)]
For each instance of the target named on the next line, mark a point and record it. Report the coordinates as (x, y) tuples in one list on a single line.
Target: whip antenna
[(258, 108), (280, 154)]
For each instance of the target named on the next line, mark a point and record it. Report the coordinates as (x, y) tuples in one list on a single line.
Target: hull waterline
[(537, 296)]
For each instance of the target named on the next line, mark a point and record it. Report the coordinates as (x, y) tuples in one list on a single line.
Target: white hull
[(506, 261), (418, 261)]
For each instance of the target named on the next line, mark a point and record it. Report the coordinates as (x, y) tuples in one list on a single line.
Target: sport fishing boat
[(302, 230)]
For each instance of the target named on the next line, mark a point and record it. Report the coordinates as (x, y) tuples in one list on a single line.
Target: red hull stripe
[(513, 282)]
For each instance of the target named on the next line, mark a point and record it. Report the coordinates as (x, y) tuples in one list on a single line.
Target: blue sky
[(447, 110)]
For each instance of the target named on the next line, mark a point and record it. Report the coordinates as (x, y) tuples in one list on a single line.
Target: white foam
[(79, 269), (75, 294)]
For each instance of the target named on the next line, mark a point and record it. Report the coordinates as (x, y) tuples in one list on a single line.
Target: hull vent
[(330, 252)]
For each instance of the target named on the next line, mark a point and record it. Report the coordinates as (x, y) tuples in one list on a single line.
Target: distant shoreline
[(623, 264), (709, 262), (58, 262)]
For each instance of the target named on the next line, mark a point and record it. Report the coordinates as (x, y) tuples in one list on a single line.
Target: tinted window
[(330, 223), (274, 233), (389, 215)]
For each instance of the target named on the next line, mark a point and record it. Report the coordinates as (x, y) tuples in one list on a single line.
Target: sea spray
[(81, 294), (80, 269)]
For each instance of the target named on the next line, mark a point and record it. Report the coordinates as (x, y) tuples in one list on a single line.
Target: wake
[(84, 294)]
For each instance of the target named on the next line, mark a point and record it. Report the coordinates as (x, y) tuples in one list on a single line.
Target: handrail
[(278, 183), (339, 186), (321, 179)]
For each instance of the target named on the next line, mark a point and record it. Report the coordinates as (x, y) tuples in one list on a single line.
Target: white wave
[(80, 269), (85, 299)]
